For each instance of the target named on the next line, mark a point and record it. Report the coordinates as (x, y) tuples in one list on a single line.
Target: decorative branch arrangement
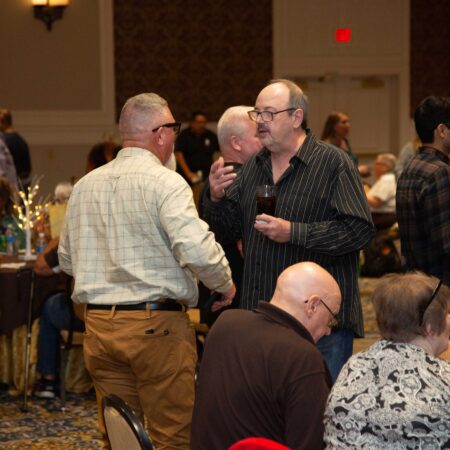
[(29, 212)]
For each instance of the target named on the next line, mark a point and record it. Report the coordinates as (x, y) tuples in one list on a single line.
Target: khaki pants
[(148, 359)]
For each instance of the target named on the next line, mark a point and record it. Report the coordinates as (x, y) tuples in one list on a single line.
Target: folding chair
[(123, 427)]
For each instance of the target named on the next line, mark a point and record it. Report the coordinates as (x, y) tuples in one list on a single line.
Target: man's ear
[(158, 136), (428, 330), (298, 115), (312, 304), (235, 143), (439, 132)]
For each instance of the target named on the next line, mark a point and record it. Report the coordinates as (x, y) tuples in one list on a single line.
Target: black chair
[(123, 427)]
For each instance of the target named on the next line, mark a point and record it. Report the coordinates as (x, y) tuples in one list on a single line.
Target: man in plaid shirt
[(423, 193)]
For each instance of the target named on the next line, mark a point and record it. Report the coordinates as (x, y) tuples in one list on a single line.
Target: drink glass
[(266, 199)]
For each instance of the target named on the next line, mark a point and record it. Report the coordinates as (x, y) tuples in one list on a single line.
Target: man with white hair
[(261, 373), (135, 245), (237, 135), (238, 143)]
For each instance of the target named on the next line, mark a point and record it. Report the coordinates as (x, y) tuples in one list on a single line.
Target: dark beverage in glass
[(266, 199), (265, 205)]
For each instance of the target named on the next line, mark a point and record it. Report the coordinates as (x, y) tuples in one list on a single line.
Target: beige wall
[(59, 84), (57, 70), (305, 48)]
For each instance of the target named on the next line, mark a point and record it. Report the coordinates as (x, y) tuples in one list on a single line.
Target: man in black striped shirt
[(321, 212)]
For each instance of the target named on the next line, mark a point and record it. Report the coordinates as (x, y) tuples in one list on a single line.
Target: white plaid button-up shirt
[(132, 235)]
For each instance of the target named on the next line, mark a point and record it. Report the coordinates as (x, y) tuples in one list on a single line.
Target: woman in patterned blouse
[(396, 394)]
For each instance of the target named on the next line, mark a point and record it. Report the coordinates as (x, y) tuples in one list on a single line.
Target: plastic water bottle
[(10, 237), (41, 243)]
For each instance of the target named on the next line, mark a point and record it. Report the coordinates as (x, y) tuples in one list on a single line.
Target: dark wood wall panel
[(198, 54), (430, 49)]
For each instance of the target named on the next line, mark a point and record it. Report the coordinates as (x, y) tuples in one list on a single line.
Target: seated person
[(381, 196), (261, 373), (62, 192), (396, 394), (55, 316)]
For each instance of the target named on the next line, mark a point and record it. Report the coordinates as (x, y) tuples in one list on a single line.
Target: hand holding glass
[(266, 199)]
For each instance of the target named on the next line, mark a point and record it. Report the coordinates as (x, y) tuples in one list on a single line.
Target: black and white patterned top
[(392, 396)]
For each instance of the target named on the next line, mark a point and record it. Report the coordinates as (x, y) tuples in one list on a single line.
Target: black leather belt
[(168, 305)]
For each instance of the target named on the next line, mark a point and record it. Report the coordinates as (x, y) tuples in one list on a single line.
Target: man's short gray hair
[(139, 111), (234, 121)]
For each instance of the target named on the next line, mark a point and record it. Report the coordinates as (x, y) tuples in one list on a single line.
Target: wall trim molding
[(78, 127)]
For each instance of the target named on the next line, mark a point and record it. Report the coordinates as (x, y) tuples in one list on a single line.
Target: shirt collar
[(283, 318), (137, 151), (433, 151), (305, 153)]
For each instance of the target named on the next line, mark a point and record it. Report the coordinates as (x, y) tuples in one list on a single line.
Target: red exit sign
[(343, 34)]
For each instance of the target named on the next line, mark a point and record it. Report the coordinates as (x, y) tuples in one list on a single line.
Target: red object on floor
[(255, 443)]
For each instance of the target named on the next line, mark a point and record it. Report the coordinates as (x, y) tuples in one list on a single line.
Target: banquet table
[(15, 291), (16, 281)]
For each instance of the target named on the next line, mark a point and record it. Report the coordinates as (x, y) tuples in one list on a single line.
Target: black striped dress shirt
[(321, 194)]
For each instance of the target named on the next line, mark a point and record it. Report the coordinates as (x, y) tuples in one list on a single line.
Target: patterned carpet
[(45, 426)]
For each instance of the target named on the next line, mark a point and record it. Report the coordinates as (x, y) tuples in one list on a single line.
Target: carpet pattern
[(45, 426)]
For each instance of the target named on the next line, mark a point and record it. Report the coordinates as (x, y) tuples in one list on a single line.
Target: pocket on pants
[(93, 351)]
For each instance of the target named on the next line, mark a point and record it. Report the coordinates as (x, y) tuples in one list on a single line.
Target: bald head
[(237, 135), (301, 291)]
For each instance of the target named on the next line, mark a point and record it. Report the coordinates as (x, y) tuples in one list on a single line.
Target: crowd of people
[(278, 363)]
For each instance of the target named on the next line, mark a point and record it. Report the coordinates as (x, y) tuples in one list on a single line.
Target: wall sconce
[(49, 10)]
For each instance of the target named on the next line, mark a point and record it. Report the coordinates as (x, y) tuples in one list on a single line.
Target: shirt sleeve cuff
[(299, 232), (225, 287), (214, 205)]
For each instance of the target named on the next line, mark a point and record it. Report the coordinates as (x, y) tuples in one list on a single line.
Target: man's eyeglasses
[(424, 306), (176, 126), (266, 116), (334, 321)]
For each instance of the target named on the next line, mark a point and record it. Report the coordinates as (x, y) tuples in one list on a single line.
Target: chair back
[(123, 427)]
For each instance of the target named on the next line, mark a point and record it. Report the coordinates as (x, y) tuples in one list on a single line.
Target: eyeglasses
[(424, 306), (266, 116), (334, 321), (176, 126)]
